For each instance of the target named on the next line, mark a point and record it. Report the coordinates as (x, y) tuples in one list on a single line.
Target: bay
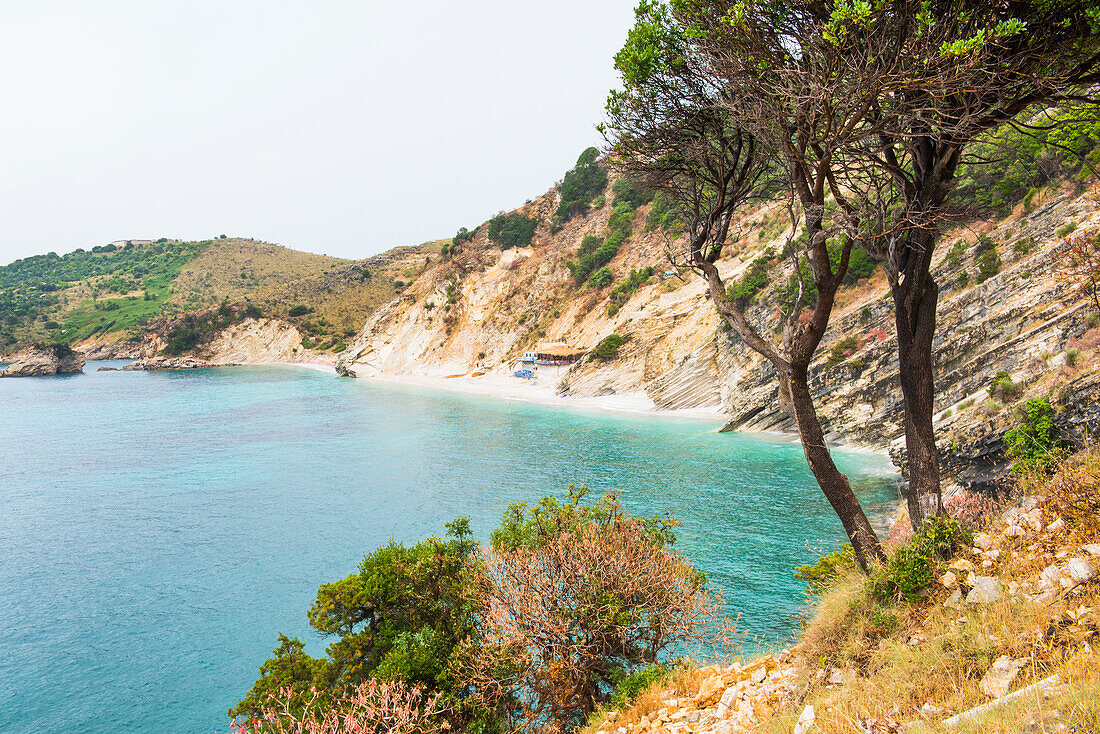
[(157, 529)]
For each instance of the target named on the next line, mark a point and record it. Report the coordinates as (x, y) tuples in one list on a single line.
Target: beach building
[(553, 354)]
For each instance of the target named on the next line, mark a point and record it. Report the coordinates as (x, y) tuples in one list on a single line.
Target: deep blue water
[(157, 529)]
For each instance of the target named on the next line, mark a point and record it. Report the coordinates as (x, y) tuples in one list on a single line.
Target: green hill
[(109, 293)]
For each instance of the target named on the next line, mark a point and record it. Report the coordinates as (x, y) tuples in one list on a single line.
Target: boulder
[(998, 679), (1080, 570), (985, 590), (44, 362)]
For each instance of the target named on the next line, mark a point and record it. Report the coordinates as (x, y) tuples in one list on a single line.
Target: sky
[(343, 127)]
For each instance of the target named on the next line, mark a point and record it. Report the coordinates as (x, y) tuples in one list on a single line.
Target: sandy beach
[(542, 391)]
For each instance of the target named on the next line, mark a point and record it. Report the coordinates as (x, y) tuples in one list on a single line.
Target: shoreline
[(503, 387), (539, 392)]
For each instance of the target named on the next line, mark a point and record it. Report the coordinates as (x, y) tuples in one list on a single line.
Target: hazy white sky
[(344, 127)]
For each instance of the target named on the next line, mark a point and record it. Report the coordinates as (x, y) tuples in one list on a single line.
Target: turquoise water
[(157, 529)]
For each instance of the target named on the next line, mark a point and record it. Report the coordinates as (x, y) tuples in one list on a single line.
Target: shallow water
[(157, 529)]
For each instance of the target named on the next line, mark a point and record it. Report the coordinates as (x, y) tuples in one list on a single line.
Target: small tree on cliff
[(710, 141)]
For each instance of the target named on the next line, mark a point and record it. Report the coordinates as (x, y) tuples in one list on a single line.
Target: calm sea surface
[(158, 529)]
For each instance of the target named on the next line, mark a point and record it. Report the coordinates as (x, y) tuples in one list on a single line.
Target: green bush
[(512, 230), (913, 567), (841, 351), (663, 215), (580, 186), (1003, 387), (1034, 442), (820, 574), (1066, 229), (621, 293), (988, 260), (956, 254), (601, 277), (608, 348), (401, 616), (630, 195), (752, 282), (299, 310)]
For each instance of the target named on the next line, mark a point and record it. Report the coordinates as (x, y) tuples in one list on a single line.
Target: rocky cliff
[(1003, 308), (44, 362)]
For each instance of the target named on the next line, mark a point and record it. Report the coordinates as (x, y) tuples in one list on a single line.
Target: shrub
[(841, 351), (752, 282), (663, 214), (1034, 443), (630, 195), (1066, 229), (601, 277), (820, 574), (987, 260), (1002, 387), (371, 707), (399, 618), (1022, 247), (956, 254), (299, 310), (621, 293), (572, 604), (865, 314), (512, 230), (963, 280), (912, 568), (608, 348), (1071, 356), (463, 236)]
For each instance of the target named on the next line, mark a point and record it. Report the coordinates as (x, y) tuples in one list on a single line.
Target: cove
[(158, 529)]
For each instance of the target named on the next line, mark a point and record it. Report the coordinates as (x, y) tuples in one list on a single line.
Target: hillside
[(110, 294), (988, 624), (1004, 308)]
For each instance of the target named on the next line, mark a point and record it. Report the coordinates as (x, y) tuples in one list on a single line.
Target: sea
[(158, 529)]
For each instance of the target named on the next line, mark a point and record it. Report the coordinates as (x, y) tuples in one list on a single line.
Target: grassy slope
[(233, 268), (343, 298), (108, 295), (907, 666)]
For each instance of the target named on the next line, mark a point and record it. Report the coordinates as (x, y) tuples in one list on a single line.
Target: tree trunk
[(833, 483), (915, 320)]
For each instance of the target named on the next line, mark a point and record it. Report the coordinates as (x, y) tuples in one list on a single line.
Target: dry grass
[(938, 655), (682, 683), (909, 666)]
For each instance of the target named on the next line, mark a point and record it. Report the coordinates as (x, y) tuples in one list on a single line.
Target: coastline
[(541, 392), (504, 387)]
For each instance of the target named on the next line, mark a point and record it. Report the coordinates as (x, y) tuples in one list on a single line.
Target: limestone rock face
[(45, 362)]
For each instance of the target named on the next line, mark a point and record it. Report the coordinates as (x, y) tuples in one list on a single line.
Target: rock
[(45, 362), (1014, 531), (962, 566), (107, 369), (1056, 526), (985, 589), (930, 712), (153, 364), (1093, 549), (955, 600), (759, 674), (983, 541), (1050, 578), (1080, 570), (998, 679), (805, 721)]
